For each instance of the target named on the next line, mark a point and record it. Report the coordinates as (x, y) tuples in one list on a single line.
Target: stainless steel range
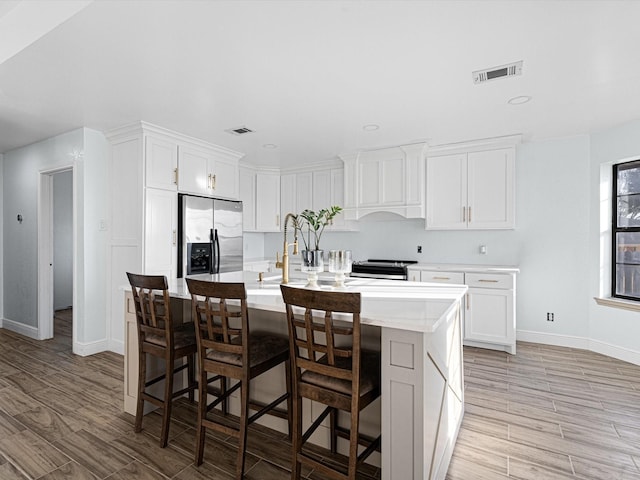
[(383, 269)]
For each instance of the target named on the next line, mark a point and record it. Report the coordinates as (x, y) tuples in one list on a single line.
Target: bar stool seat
[(264, 347), (160, 337), (369, 377)]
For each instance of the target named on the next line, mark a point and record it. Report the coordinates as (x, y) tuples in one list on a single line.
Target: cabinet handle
[(469, 214), (175, 237), (468, 301), (175, 176), (464, 214), (213, 182), (441, 278), (277, 220), (488, 281)]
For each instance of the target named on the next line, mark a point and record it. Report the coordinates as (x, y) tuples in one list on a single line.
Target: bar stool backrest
[(220, 326), (317, 343), (153, 311)]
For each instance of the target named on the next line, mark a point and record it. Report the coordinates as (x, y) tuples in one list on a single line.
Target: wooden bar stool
[(329, 367), (228, 350), (158, 336)]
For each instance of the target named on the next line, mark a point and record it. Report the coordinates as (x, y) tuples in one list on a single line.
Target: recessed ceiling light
[(519, 100), (270, 146), (371, 127)]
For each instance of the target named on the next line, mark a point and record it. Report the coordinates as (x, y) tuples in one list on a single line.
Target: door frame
[(45, 251)]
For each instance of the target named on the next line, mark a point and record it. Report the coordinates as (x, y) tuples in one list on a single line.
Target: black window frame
[(615, 229)]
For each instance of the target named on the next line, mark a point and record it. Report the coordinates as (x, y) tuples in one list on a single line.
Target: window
[(625, 278)]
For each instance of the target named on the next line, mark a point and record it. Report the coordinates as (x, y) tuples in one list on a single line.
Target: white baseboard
[(553, 339), (21, 328), (621, 353), (91, 348), (116, 346)]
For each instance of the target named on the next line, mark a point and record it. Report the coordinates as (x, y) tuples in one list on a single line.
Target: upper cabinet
[(471, 190), (260, 195), (161, 163), (387, 180), (208, 171), (314, 189)]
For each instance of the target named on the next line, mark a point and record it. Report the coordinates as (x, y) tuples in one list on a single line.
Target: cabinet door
[(304, 191), (248, 197), (321, 189), (337, 197), (267, 202), (490, 189), (288, 195), (447, 192), (160, 246), (161, 163), (489, 316), (392, 175), (194, 170), (224, 178)]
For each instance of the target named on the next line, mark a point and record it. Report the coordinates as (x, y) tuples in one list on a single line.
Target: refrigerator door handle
[(212, 265), (217, 246)]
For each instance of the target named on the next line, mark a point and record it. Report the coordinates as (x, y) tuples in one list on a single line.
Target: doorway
[(56, 252)]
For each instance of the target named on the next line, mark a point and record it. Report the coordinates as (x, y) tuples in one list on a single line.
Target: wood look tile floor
[(546, 413)]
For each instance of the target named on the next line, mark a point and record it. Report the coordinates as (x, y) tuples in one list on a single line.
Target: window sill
[(618, 303)]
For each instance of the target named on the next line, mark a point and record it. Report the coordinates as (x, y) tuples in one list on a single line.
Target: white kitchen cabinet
[(386, 180), (473, 190), (488, 315), (207, 172), (260, 195), (248, 198), (161, 232), (314, 189), (161, 163), (267, 202), (490, 318)]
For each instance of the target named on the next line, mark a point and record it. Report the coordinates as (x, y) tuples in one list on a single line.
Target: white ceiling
[(307, 75)]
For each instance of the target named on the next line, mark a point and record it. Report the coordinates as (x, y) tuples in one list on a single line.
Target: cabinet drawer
[(442, 277), (489, 280)]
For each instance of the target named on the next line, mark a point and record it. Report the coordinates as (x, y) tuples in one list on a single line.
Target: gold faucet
[(284, 264)]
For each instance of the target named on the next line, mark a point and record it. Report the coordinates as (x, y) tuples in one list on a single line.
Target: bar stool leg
[(142, 378), (191, 374), (296, 467), (202, 409), (244, 420), (289, 380), (168, 393), (353, 444), (333, 419)]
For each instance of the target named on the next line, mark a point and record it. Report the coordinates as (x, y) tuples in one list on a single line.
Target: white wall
[(610, 327), (1, 243), (62, 240), (87, 151)]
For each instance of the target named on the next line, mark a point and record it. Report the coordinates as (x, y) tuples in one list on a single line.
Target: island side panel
[(421, 399)]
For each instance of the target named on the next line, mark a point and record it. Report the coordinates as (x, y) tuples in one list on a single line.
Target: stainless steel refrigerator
[(210, 232)]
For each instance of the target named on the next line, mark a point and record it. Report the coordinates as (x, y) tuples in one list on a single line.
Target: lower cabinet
[(489, 315)]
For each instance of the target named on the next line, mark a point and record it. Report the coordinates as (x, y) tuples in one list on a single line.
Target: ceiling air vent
[(482, 76), (239, 130)]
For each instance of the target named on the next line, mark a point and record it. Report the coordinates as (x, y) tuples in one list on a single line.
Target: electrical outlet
[(419, 248), (550, 316)]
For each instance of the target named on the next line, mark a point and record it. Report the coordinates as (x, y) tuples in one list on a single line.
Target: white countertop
[(414, 306), (459, 267)]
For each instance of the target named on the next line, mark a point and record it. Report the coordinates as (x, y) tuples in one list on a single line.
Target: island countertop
[(414, 306)]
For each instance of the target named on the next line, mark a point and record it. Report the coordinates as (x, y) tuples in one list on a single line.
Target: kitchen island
[(417, 328)]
